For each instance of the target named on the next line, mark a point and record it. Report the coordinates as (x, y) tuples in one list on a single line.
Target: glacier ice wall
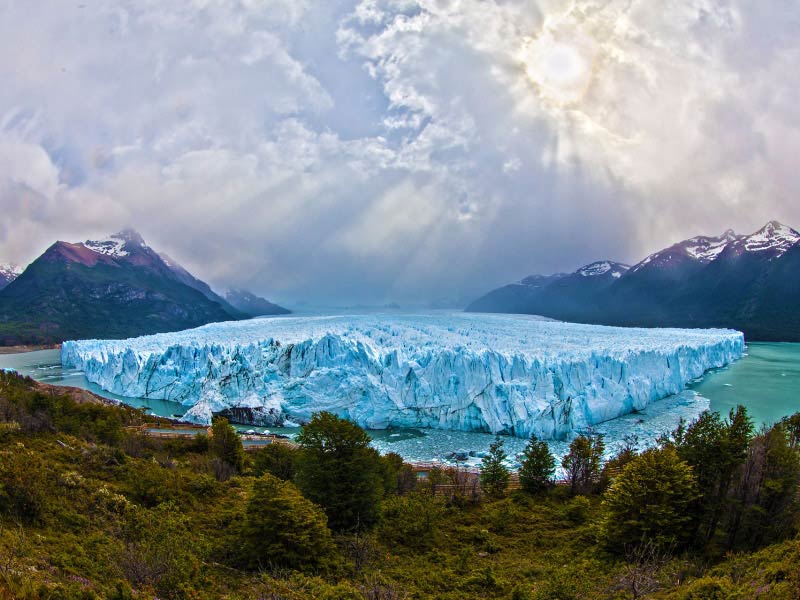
[(491, 373)]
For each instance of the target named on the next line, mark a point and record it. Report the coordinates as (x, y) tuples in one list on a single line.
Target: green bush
[(650, 501), (282, 528), (411, 520), (577, 510)]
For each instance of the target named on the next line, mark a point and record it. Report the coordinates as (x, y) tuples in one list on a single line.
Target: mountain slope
[(747, 282), (252, 305), (112, 288)]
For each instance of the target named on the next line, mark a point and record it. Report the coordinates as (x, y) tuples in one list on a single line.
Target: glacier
[(508, 374)]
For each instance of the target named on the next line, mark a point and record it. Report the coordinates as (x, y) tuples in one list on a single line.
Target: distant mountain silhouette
[(253, 305)]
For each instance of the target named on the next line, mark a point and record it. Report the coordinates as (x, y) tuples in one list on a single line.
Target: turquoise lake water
[(766, 381)]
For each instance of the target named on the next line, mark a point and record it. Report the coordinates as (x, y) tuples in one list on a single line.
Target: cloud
[(405, 150)]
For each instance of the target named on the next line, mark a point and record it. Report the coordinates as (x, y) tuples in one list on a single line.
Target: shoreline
[(24, 348)]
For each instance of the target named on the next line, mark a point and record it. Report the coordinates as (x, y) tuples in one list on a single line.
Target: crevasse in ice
[(470, 372)]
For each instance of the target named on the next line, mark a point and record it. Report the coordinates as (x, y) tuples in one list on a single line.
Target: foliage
[(764, 501), (583, 463), (537, 468), (649, 501), (282, 528), (398, 477), (155, 552), (494, 474), (226, 446), (412, 520), (337, 469), (140, 517), (715, 449), (276, 459)]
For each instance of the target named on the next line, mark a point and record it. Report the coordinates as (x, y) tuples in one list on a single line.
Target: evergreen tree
[(494, 474), (337, 469), (716, 450), (538, 466), (282, 528), (583, 463), (648, 502), (764, 507), (226, 445)]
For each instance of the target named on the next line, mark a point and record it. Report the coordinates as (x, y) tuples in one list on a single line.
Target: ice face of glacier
[(492, 373)]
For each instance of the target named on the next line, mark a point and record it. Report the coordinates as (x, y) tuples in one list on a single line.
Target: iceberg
[(507, 374)]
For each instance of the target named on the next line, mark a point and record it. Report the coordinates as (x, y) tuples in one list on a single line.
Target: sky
[(412, 151)]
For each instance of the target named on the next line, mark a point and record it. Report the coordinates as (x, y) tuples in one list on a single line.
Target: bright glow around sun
[(560, 64)]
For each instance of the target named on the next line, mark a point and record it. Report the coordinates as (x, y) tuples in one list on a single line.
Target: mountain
[(252, 305), (746, 282), (8, 273), (111, 288)]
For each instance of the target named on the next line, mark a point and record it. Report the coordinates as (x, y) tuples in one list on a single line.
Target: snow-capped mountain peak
[(773, 236), (118, 244), (602, 267), (705, 248), (701, 248)]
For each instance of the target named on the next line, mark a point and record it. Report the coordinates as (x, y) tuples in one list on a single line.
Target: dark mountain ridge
[(745, 282), (252, 305)]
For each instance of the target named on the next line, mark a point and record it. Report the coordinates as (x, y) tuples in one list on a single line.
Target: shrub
[(283, 528), (412, 520), (649, 501)]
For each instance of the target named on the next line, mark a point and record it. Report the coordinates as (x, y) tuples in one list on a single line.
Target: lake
[(766, 381)]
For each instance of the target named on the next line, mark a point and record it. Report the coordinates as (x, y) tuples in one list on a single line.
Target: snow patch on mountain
[(602, 267), (705, 249), (773, 236), (490, 373), (110, 246)]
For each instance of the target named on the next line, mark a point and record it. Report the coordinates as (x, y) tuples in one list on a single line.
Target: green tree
[(715, 449), (583, 463), (282, 528), (764, 506), (494, 474), (648, 502), (791, 425), (337, 469), (538, 466), (398, 477), (226, 447), (277, 459)]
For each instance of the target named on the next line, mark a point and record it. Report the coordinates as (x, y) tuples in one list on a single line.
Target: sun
[(560, 63)]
